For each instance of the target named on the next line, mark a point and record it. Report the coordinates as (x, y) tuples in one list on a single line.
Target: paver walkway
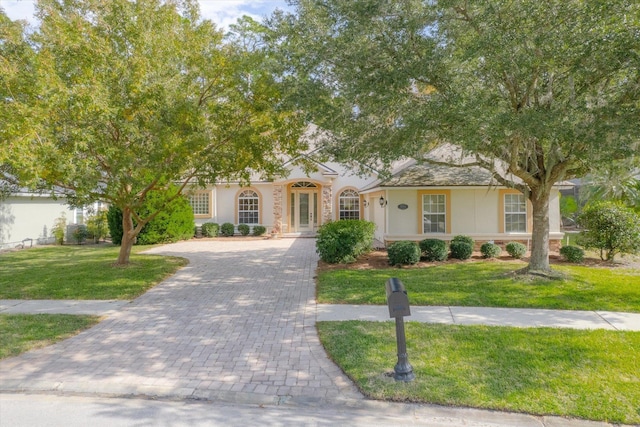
[(236, 323)]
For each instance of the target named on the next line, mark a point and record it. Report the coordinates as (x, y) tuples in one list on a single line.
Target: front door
[(304, 205)]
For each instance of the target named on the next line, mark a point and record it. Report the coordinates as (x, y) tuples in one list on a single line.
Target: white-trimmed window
[(200, 203), (434, 213), (349, 205), (515, 213), (248, 207)]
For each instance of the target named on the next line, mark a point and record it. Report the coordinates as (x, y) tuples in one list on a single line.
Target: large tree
[(17, 83), (139, 95), (547, 89)]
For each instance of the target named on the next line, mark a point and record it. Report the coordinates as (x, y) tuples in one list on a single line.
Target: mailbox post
[(398, 303)]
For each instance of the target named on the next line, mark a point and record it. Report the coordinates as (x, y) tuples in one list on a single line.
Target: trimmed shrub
[(572, 253), (227, 229), (210, 229), (174, 222), (464, 239), (343, 241), (259, 230), (434, 249), (244, 229), (611, 228), (516, 249), (403, 253), (490, 250), (460, 249)]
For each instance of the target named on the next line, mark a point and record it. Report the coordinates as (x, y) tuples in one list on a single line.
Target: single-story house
[(419, 200)]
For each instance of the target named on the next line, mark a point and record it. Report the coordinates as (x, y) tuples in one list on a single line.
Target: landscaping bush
[(259, 230), (403, 253), (80, 233), (516, 249), (572, 253), (174, 222), (227, 229), (433, 249), (464, 239), (244, 229), (210, 229), (343, 241), (490, 250), (611, 228), (460, 249)]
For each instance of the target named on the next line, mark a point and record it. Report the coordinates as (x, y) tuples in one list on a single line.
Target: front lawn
[(24, 332), (81, 272), (587, 374), (488, 284)]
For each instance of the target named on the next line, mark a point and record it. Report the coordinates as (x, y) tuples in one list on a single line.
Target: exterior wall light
[(382, 201)]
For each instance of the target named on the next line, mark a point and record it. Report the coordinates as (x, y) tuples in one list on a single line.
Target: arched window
[(248, 207), (349, 205)]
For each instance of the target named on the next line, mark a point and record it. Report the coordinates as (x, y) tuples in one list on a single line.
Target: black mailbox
[(397, 298)]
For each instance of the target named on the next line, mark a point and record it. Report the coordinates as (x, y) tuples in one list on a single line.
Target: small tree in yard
[(610, 228), (59, 227), (125, 98)]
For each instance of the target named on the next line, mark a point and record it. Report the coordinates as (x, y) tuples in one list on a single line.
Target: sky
[(222, 12)]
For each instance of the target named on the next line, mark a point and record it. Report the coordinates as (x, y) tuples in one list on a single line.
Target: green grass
[(24, 332), (80, 272), (488, 284), (586, 374)]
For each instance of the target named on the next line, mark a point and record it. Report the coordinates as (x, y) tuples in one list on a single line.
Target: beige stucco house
[(419, 200)]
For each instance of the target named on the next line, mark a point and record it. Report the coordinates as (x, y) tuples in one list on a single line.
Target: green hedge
[(434, 249), (244, 229), (516, 249), (210, 229), (403, 253), (573, 254), (460, 249), (490, 250), (227, 229), (343, 241)]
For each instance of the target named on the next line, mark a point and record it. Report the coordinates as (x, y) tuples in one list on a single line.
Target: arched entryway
[(303, 207)]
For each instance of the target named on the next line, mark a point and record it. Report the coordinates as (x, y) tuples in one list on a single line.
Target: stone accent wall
[(277, 209), (327, 205)]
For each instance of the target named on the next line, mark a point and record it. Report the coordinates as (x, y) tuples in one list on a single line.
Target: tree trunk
[(539, 260), (128, 237)]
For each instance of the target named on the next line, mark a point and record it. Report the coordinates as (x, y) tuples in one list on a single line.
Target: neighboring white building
[(27, 218)]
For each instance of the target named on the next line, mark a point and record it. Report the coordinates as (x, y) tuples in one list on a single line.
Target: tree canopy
[(547, 89), (135, 96)]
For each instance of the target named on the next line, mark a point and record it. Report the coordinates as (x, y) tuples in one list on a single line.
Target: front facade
[(295, 205), (419, 201)]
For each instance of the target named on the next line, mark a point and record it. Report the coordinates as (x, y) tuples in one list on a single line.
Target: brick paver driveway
[(236, 323)]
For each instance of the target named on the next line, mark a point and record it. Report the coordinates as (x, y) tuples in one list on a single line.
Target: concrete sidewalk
[(517, 317)]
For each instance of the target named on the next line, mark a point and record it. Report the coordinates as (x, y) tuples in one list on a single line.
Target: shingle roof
[(426, 174)]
